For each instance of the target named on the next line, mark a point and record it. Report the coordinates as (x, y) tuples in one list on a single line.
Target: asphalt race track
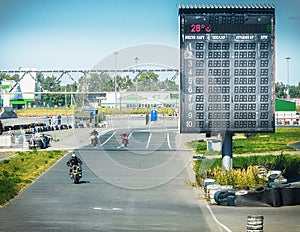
[(139, 188), (144, 187)]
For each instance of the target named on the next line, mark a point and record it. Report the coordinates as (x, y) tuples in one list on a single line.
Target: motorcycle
[(94, 140), (125, 140), (76, 174)]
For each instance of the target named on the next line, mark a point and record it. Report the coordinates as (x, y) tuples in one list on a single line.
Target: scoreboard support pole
[(227, 151)]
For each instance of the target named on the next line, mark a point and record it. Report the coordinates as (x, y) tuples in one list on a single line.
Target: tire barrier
[(238, 188), (274, 197), (290, 196), (256, 198), (208, 181), (241, 192), (211, 190), (276, 194), (225, 197), (262, 172), (260, 189), (19, 135), (270, 197), (255, 223), (277, 181), (38, 127)]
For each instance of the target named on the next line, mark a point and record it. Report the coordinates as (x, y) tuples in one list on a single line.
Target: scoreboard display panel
[(227, 68)]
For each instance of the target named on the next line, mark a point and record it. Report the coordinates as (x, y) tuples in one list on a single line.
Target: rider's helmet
[(73, 155), (124, 133)]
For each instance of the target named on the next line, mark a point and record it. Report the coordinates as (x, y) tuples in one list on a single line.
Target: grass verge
[(260, 143), (19, 171)]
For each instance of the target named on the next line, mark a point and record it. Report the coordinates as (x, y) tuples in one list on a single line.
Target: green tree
[(124, 83), (148, 82), (295, 91), (5, 76), (280, 90), (169, 85), (51, 84), (96, 83)]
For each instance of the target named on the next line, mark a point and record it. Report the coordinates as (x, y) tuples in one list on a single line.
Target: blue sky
[(76, 34)]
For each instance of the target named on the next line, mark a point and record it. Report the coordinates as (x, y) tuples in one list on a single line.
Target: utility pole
[(66, 104), (136, 59), (288, 76), (115, 53)]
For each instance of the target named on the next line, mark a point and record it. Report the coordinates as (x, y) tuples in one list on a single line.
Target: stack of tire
[(210, 192), (225, 197), (277, 181), (255, 223), (262, 172)]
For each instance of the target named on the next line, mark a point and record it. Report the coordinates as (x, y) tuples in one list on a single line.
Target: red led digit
[(196, 28), (193, 28)]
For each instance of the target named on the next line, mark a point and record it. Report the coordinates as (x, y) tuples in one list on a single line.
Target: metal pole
[(85, 88), (115, 53), (288, 77), (136, 84), (71, 100), (66, 104), (227, 151)]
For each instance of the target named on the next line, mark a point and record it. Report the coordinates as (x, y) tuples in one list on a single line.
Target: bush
[(289, 165), (236, 177), (244, 168)]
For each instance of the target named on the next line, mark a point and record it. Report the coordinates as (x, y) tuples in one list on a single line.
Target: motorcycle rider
[(94, 135), (124, 138), (74, 160), (94, 132)]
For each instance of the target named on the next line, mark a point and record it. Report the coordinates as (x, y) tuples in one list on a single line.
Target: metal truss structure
[(60, 73)]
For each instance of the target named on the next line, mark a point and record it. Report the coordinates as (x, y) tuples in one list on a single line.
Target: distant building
[(141, 99), (24, 89), (285, 112)]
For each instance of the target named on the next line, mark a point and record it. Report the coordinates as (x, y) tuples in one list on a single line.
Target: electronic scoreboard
[(227, 66)]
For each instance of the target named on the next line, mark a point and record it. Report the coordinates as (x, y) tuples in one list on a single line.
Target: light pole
[(115, 53), (288, 76), (85, 88), (136, 59)]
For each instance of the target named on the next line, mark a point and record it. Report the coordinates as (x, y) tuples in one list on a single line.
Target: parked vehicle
[(39, 141)]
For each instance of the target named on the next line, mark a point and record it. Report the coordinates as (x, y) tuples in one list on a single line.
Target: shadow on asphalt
[(84, 182)]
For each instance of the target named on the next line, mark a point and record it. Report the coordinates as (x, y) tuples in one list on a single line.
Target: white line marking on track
[(122, 145), (216, 220), (107, 139), (149, 141), (108, 209), (168, 139)]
